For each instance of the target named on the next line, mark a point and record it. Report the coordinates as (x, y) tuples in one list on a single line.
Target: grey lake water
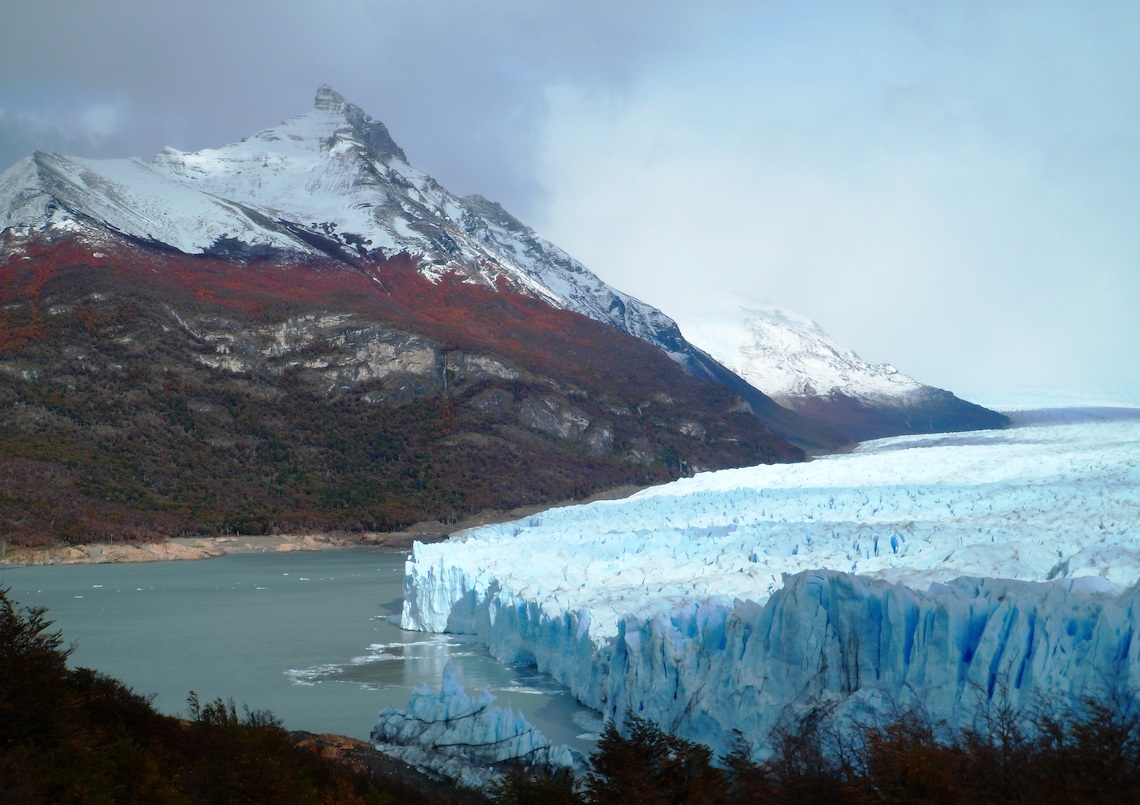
[(312, 637)]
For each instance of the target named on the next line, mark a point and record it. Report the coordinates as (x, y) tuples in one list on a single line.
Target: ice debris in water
[(463, 738)]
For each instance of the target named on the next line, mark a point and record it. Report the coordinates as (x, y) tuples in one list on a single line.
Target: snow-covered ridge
[(331, 179), (715, 602), (790, 357)]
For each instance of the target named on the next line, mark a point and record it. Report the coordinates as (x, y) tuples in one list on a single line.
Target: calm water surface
[(311, 636)]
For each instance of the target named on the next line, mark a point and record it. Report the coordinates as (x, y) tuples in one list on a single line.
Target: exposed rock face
[(554, 417), (600, 440), (464, 367), (372, 133), (494, 401), (340, 352), (341, 349)]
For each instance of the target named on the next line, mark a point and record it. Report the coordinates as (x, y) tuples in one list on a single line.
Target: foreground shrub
[(1086, 753), (78, 736)]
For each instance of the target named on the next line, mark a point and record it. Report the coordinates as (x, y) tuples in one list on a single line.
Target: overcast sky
[(951, 187)]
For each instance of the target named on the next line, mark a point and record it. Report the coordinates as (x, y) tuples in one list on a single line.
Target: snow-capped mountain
[(331, 187), (330, 182), (306, 307), (792, 360), (789, 357)]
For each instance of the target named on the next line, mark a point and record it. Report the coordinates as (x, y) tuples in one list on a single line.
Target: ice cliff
[(958, 572), (460, 737)]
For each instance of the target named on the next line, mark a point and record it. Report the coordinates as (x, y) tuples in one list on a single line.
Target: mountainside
[(153, 392), (302, 330), (793, 361), (331, 184)]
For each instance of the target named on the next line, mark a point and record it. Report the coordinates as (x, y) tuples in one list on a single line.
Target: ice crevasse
[(954, 572)]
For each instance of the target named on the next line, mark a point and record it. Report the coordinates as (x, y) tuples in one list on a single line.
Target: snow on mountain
[(49, 191), (788, 356), (330, 182), (953, 571), (793, 361), (458, 736)]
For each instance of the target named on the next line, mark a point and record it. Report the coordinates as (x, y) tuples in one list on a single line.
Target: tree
[(33, 662), (651, 767), (527, 787)]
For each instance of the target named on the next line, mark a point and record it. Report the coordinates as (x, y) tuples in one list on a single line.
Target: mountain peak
[(328, 99), (372, 133)]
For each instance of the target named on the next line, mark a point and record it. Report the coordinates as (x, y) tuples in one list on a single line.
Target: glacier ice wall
[(948, 571), (875, 648)]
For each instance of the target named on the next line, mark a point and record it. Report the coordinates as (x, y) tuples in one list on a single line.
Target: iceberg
[(957, 572), (460, 737)]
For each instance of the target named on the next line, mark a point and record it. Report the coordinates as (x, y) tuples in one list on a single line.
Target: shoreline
[(196, 548)]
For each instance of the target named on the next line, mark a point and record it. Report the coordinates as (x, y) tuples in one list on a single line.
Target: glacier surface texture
[(956, 572)]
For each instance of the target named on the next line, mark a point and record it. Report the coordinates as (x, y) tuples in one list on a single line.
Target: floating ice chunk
[(463, 738)]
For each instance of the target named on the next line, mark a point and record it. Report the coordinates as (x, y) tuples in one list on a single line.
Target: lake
[(312, 637)]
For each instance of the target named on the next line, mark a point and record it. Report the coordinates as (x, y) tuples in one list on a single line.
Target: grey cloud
[(461, 85)]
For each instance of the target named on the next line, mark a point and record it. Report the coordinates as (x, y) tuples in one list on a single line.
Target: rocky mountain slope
[(792, 360), (157, 392)]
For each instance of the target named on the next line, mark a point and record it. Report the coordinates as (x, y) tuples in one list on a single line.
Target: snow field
[(787, 355)]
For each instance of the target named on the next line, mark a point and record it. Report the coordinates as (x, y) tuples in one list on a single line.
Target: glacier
[(461, 737), (956, 572)]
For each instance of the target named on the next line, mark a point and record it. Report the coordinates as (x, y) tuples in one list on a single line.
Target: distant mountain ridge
[(333, 184), (792, 360)]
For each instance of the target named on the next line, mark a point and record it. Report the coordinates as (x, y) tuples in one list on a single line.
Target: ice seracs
[(952, 571), (462, 737)]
